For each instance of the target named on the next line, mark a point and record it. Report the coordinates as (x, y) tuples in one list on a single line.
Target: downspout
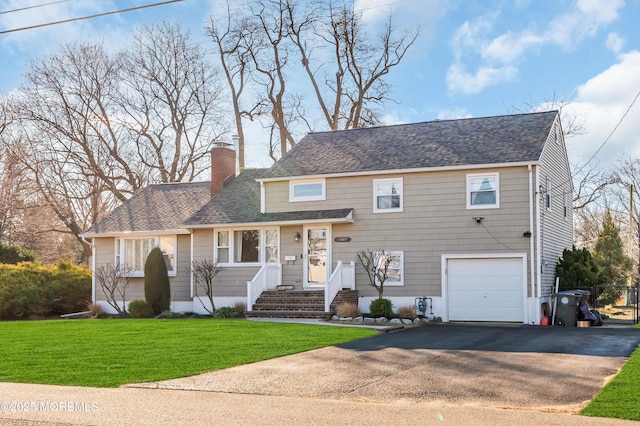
[(191, 266), (263, 202), (539, 232), (532, 260), (93, 268)]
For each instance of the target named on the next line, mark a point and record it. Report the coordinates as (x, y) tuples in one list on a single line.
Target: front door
[(316, 266)]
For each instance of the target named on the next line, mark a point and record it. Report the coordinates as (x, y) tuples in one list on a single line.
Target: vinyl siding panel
[(232, 280), (434, 220), (556, 232), (180, 284)]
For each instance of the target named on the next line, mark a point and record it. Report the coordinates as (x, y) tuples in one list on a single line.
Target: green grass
[(109, 353), (620, 398)]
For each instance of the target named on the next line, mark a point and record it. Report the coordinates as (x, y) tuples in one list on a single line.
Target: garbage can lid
[(568, 293)]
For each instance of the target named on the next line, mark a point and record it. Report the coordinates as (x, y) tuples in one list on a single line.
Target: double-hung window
[(246, 246), (387, 195), (394, 263), (132, 253), (483, 191)]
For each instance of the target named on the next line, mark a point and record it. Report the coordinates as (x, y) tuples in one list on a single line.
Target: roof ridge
[(436, 120)]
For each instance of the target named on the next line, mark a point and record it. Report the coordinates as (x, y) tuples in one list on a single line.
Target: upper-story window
[(307, 190), (133, 252), (547, 195), (483, 191), (565, 205), (387, 195)]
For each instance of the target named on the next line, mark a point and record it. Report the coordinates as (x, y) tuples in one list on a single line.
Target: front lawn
[(620, 398), (109, 353)]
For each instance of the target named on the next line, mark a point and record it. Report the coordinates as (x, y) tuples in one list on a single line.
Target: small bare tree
[(377, 266), (204, 272), (114, 281)]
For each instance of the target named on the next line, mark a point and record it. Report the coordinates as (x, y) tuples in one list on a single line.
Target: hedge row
[(30, 289)]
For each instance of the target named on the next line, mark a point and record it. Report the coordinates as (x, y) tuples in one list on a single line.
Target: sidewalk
[(133, 406)]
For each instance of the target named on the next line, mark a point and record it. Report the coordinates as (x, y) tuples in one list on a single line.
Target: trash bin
[(566, 308), (584, 295)]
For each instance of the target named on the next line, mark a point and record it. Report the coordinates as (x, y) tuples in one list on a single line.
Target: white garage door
[(485, 289)]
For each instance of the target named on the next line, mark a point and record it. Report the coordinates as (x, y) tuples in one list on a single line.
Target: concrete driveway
[(532, 368)]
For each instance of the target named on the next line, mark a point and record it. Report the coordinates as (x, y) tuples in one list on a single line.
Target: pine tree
[(615, 266), (157, 289), (577, 270)]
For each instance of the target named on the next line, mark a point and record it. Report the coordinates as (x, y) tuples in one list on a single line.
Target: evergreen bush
[(157, 289), (32, 289), (140, 309), (381, 308)]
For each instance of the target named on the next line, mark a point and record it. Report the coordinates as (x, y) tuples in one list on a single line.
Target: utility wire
[(33, 7), (612, 132), (90, 16), (561, 185)]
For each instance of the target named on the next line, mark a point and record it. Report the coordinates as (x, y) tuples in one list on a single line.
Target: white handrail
[(344, 276), (268, 277)]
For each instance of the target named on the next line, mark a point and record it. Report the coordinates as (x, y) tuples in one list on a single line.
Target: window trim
[(400, 254), (470, 177), (399, 180), (119, 250), (262, 256), (321, 197)]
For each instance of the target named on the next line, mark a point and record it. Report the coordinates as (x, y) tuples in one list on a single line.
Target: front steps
[(291, 304)]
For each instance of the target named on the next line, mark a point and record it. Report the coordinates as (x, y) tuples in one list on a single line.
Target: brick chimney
[(223, 165)]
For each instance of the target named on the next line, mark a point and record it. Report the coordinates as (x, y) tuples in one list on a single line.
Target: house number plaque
[(342, 239)]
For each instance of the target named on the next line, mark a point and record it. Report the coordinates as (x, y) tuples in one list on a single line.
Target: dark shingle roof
[(156, 207), (501, 139), (239, 202)]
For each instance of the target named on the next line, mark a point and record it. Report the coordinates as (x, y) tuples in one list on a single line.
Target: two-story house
[(474, 213)]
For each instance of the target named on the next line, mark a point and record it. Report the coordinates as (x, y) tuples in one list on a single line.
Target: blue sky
[(473, 58)]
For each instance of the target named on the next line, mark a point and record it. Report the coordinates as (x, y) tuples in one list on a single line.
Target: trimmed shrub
[(30, 289), (381, 308), (225, 312), (157, 289), (140, 309), (69, 287), (347, 310), (407, 312)]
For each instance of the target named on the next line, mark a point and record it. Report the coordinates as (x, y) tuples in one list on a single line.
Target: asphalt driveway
[(541, 368)]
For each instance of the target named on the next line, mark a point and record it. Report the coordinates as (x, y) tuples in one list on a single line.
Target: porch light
[(296, 237)]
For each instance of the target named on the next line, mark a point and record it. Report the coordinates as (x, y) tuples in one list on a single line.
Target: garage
[(485, 289)]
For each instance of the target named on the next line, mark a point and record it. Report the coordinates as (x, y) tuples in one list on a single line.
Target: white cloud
[(500, 54), (452, 114), (461, 81), (601, 102), (509, 47), (615, 42)]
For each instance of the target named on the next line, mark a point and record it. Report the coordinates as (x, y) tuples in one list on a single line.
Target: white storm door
[(317, 262)]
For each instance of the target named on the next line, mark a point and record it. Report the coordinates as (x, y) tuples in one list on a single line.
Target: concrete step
[(287, 314)]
